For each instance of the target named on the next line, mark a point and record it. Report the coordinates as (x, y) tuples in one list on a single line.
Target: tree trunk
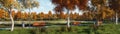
[(116, 18), (68, 19), (23, 24), (29, 16), (12, 21)]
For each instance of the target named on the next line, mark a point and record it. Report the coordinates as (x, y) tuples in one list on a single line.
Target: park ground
[(106, 28)]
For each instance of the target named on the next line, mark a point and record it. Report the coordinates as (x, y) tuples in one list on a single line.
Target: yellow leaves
[(13, 14), (75, 16), (34, 15), (50, 13), (68, 1), (96, 2), (25, 15), (8, 3), (77, 1), (62, 15), (104, 12), (36, 4), (109, 12), (29, 4), (3, 14), (41, 15), (19, 14), (70, 4), (88, 15), (103, 15)]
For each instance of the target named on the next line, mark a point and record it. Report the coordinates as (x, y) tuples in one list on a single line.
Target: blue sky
[(46, 5)]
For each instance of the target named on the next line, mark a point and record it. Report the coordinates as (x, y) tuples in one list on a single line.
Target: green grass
[(104, 29), (16, 31), (109, 29), (49, 30)]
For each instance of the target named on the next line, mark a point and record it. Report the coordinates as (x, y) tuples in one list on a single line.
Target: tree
[(41, 15), (69, 5), (6, 16), (50, 15), (101, 10), (54, 16), (61, 15), (8, 5), (46, 16), (71, 15), (19, 15), (25, 16), (13, 14), (115, 5), (1, 13), (34, 15), (29, 4), (75, 15)]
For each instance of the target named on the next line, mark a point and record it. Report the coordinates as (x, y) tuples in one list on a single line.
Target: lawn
[(91, 29)]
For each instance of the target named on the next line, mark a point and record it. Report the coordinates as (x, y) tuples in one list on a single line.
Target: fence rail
[(31, 22)]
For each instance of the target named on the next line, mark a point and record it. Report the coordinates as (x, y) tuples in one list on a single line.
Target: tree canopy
[(69, 4)]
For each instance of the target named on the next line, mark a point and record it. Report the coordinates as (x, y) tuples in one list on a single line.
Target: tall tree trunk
[(68, 18), (12, 21), (116, 18), (29, 16)]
